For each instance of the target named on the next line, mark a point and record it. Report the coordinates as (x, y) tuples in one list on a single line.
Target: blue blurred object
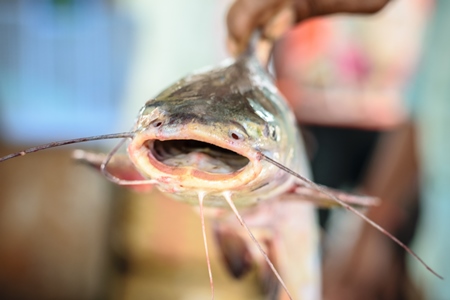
[(62, 68), (431, 103)]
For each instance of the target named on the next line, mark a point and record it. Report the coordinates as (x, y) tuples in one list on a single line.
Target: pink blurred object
[(351, 71)]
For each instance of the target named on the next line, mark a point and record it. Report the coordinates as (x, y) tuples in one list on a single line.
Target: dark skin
[(274, 17)]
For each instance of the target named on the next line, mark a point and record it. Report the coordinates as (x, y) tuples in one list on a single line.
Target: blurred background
[(71, 68)]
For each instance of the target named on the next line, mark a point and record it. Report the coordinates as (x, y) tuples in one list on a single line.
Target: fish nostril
[(235, 136), (157, 124)]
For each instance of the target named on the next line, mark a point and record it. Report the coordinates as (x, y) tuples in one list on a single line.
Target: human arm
[(274, 17)]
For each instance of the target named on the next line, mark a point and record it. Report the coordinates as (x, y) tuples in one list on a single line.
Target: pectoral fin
[(239, 253), (233, 248), (119, 166)]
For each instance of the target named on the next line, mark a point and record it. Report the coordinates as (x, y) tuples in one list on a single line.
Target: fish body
[(202, 138), (205, 140)]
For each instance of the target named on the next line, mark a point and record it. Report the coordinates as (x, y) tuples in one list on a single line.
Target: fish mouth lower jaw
[(180, 164)]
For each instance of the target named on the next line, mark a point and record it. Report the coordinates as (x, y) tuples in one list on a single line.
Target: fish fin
[(119, 166), (233, 249), (259, 247), (320, 199)]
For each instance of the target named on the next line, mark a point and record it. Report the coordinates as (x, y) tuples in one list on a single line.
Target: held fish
[(222, 138)]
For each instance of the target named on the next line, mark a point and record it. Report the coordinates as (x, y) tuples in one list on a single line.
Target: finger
[(263, 50), (279, 23), (245, 16), (273, 30), (310, 8)]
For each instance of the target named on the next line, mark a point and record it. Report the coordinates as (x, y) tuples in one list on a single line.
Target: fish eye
[(236, 136), (156, 123)]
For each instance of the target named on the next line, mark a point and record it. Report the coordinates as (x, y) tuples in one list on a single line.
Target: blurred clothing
[(351, 70)]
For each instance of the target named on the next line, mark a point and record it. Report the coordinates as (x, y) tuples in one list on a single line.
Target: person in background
[(429, 103)]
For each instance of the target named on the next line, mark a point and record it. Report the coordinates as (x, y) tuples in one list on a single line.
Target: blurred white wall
[(172, 38)]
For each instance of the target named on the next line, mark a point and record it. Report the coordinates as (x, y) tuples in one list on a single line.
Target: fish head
[(201, 136)]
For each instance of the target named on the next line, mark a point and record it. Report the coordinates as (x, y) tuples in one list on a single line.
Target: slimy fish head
[(204, 134)]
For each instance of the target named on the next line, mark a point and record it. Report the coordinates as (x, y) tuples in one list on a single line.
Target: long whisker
[(67, 142), (227, 196), (348, 207), (201, 196), (107, 159), (114, 179)]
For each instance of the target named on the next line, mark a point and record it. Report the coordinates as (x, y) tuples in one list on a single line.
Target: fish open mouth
[(198, 155)]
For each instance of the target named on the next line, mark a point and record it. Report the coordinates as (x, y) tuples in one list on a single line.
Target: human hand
[(274, 17)]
